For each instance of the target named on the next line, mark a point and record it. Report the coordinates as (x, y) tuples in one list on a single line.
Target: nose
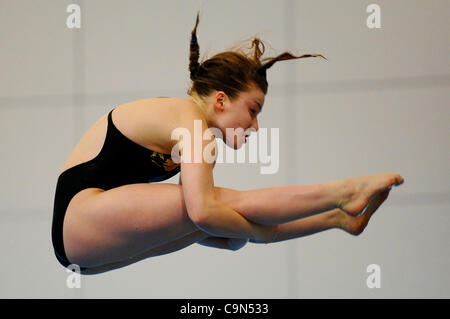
[(255, 124)]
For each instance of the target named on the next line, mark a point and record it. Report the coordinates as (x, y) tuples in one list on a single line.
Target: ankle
[(338, 218), (345, 191)]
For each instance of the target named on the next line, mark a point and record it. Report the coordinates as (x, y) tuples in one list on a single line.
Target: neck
[(204, 107)]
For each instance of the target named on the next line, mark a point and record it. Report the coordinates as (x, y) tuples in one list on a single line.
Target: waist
[(110, 173)]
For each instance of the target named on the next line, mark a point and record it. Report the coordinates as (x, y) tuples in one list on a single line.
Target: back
[(147, 122)]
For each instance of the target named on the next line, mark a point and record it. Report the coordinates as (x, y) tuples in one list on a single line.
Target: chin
[(236, 146)]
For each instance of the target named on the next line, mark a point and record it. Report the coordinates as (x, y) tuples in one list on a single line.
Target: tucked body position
[(109, 212)]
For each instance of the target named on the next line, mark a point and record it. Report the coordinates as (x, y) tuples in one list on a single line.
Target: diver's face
[(238, 118)]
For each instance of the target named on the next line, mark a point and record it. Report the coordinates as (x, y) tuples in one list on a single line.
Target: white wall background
[(380, 104)]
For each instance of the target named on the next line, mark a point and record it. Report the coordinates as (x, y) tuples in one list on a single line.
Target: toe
[(399, 180)]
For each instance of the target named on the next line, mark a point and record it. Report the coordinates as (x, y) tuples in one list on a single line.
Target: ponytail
[(232, 71), (285, 56), (194, 54), (258, 52)]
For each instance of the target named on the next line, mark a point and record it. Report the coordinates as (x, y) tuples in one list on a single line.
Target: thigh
[(103, 227), (170, 247)]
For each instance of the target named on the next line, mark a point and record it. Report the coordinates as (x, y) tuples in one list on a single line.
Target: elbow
[(201, 216)]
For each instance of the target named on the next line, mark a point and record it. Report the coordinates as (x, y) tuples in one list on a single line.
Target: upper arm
[(180, 181), (196, 170)]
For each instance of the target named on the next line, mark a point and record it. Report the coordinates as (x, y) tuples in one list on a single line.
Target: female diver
[(108, 214)]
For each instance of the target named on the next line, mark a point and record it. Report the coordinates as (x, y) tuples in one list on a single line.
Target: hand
[(265, 234), (237, 243)]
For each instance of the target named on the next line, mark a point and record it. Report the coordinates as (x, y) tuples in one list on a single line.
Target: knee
[(229, 196)]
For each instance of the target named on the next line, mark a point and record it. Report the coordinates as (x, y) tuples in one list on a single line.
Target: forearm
[(220, 220)]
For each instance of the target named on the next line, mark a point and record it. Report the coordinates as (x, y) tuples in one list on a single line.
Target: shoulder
[(192, 125), (151, 122), (168, 113), (183, 116), (188, 115), (188, 110), (171, 110)]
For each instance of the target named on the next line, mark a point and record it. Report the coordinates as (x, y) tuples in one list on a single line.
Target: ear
[(219, 100)]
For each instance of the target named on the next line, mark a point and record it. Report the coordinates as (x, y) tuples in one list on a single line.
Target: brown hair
[(232, 71)]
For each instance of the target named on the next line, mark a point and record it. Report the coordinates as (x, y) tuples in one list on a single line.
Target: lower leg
[(335, 218), (310, 225), (278, 205)]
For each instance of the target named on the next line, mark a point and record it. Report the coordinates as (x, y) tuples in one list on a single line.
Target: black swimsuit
[(120, 162)]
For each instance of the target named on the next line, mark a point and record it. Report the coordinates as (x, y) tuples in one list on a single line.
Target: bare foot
[(356, 225), (363, 188)]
